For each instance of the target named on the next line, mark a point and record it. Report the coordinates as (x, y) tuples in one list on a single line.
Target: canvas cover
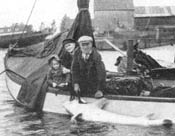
[(34, 67), (34, 88), (163, 91), (146, 60)]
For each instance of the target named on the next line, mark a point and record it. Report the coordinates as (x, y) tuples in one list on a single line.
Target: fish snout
[(167, 123)]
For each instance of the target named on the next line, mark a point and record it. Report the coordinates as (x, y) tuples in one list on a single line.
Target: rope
[(7, 70), (2, 72), (83, 9), (27, 20), (13, 96)]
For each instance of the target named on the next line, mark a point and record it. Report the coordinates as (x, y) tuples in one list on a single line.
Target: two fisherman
[(87, 69)]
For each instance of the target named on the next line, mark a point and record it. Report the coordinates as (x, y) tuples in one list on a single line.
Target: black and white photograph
[(87, 67)]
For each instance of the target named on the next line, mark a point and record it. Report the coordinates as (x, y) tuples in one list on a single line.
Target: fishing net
[(131, 86)]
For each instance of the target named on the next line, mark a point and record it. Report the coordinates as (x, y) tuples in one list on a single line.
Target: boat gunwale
[(127, 98)]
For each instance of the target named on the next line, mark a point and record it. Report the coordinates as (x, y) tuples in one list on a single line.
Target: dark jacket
[(57, 76), (66, 59), (89, 74)]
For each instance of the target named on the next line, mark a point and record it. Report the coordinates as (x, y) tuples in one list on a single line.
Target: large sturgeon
[(95, 112)]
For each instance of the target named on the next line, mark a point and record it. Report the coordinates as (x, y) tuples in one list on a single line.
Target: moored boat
[(26, 40), (18, 69), (127, 105)]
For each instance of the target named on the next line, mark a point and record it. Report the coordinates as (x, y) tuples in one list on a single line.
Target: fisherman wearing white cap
[(88, 70)]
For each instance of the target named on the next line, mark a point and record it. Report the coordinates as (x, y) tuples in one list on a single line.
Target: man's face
[(86, 47), (69, 47)]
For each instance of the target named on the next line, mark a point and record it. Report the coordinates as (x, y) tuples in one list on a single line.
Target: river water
[(16, 121)]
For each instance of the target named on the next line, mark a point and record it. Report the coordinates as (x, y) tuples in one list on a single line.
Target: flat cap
[(84, 39)]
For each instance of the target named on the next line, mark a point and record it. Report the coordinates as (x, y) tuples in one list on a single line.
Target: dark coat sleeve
[(66, 59), (101, 72), (75, 68)]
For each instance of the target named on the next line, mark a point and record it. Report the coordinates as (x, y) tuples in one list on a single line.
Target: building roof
[(154, 11), (110, 5)]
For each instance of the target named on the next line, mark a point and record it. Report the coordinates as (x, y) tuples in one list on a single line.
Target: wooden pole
[(130, 57)]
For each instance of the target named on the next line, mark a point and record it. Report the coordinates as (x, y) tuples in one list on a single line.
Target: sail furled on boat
[(82, 24)]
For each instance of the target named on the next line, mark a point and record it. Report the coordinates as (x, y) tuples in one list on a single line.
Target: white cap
[(84, 39)]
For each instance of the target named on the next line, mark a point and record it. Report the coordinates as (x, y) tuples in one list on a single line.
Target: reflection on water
[(16, 121)]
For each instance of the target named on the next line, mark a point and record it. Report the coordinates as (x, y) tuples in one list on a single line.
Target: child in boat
[(121, 63), (58, 76)]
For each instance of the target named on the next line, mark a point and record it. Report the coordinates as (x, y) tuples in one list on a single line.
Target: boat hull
[(125, 105), (26, 40)]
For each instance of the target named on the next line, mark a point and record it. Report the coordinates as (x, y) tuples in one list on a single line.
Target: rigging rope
[(8, 70), (22, 104), (2, 72), (27, 20)]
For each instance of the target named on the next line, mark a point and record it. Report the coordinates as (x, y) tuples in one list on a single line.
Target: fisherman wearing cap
[(88, 70)]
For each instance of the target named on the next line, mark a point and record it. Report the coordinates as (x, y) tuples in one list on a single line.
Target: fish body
[(95, 112)]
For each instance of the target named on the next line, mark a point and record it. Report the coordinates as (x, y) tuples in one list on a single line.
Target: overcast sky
[(12, 11)]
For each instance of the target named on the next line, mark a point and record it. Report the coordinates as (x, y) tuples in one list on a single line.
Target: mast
[(130, 57)]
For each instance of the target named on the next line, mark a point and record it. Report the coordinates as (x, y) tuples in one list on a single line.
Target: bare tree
[(65, 23)]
